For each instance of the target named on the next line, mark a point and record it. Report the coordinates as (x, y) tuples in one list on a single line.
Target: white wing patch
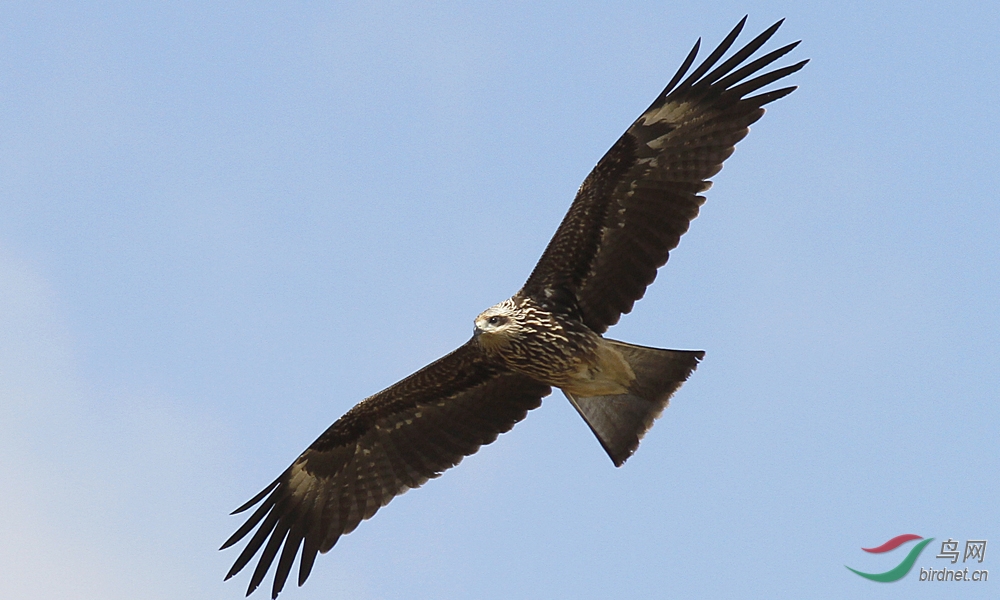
[(668, 112), (300, 481)]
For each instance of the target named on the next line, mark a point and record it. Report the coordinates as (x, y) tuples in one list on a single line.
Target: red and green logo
[(902, 568)]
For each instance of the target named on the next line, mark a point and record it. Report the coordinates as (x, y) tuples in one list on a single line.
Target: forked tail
[(620, 421)]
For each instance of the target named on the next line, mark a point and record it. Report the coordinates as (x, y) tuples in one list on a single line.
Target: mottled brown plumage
[(627, 216), (637, 202)]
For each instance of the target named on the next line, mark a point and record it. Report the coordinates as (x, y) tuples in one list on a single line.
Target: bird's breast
[(563, 353)]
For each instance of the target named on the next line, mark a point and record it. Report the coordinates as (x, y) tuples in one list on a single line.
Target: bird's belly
[(607, 374)]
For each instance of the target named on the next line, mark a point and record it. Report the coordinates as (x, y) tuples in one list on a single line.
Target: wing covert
[(638, 201), (391, 442)]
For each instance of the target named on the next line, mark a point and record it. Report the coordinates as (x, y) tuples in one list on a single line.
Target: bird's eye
[(493, 320)]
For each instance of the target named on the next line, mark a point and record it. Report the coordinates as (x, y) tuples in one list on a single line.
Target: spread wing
[(640, 198), (389, 443)]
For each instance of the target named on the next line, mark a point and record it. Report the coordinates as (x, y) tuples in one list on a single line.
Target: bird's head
[(497, 324)]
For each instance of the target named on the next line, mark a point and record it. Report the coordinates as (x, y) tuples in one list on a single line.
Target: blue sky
[(221, 227)]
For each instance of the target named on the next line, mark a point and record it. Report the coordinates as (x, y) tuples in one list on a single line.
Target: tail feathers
[(620, 421)]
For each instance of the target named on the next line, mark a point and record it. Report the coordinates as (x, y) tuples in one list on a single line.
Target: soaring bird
[(628, 214)]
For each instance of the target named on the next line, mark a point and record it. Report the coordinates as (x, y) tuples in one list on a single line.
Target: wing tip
[(256, 499)]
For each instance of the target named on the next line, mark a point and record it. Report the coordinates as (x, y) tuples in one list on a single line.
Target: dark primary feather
[(394, 441), (641, 197)]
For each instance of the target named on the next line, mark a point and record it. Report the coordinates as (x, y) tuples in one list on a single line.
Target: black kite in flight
[(629, 213)]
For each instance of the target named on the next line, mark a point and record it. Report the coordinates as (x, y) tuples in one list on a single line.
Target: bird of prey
[(628, 214)]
